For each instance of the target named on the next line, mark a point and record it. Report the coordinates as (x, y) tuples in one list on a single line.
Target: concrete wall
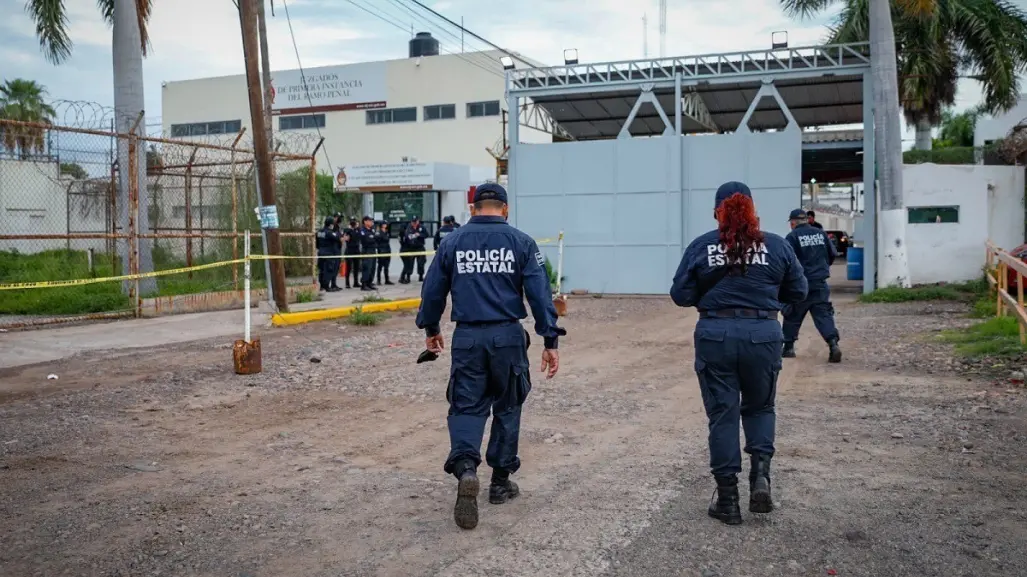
[(33, 200), (349, 140), (991, 206), (628, 207)]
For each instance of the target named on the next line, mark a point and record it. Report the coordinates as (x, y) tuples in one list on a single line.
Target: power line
[(430, 24), (306, 89), (503, 50)]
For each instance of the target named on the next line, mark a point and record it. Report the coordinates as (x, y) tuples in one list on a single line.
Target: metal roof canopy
[(820, 85)]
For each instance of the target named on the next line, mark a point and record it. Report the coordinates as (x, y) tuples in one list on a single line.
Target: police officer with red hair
[(739, 278)]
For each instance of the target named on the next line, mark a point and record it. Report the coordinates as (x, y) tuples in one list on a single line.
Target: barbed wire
[(82, 114)]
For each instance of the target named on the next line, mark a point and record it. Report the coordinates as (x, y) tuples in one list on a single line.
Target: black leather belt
[(482, 325), (738, 313)]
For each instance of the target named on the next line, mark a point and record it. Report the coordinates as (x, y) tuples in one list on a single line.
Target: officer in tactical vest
[(738, 277), (446, 228), (489, 267), (327, 240), (816, 252)]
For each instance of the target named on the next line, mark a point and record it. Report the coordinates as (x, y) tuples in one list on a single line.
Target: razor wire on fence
[(69, 211)]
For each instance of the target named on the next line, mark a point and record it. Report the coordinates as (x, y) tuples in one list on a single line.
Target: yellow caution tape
[(77, 282)]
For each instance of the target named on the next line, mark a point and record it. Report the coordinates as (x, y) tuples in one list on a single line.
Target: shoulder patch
[(541, 260)]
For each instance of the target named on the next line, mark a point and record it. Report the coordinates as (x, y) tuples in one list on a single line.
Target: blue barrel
[(854, 264)]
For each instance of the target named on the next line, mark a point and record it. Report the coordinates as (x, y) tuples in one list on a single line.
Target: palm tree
[(128, 19), (24, 101), (985, 39), (893, 263)]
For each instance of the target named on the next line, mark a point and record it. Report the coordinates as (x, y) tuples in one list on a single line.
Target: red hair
[(739, 227)]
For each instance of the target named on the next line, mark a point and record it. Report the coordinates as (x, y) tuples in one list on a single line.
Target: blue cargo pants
[(489, 372), (737, 361), (818, 305)]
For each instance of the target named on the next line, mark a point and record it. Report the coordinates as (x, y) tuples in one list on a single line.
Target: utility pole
[(265, 68), (248, 10)]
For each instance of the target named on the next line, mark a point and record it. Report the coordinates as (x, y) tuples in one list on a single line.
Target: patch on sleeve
[(541, 260)]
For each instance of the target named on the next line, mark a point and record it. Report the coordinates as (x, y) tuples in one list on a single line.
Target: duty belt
[(738, 313), (485, 324)]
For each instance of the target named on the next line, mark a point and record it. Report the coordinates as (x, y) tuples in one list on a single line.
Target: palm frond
[(990, 37), (917, 8), (805, 8), (51, 21)]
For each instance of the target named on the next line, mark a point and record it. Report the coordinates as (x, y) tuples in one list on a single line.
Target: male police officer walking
[(489, 267), (738, 277), (368, 246), (446, 228), (817, 254), (327, 239)]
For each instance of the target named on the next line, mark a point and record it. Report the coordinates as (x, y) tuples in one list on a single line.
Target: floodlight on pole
[(570, 56), (507, 62), (778, 40)]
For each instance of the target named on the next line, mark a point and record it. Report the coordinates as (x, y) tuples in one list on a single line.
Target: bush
[(996, 337), (360, 318)]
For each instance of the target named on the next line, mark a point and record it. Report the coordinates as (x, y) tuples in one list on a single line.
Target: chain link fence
[(70, 211)]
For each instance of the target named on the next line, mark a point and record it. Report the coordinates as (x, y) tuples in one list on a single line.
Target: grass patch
[(996, 337), (364, 319), (306, 296), (99, 297), (372, 299), (970, 291)]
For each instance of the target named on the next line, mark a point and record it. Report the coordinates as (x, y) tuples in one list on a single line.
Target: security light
[(570, 56), (507, 62), (778, 40)]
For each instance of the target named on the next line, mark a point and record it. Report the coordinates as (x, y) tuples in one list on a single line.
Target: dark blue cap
[(797, 214), (728, 189), (490, 191)]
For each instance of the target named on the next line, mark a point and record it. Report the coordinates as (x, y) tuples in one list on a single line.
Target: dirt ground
[(900, 461)]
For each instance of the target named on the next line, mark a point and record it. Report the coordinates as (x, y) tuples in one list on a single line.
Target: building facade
[(426, 108)]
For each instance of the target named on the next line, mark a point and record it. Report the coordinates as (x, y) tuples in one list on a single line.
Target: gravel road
[(900, 461)]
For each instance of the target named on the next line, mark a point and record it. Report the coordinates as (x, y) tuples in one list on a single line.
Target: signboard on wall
[(329, 88), (386, 177)]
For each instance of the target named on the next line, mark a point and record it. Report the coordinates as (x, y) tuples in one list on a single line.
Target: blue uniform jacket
[(815, 250), (489, 267), (773, 278)]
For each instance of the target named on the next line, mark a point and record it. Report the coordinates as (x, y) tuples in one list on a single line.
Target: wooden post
[(248, 17)]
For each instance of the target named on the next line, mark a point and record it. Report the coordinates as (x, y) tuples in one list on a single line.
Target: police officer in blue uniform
[(738, 277), (384, 239), (489, 267), (413, 241), (327, 240), (816, 252), (368, 247), (333, 274), (446, 228)]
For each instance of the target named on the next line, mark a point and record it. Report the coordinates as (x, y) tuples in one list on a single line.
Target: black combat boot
[(724, 507), (387, 281), (465, 512), (789, 350), (835, 354), (502, 489), (759, 484)]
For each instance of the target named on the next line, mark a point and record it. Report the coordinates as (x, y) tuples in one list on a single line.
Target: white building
[(994, 128), (426, 109)]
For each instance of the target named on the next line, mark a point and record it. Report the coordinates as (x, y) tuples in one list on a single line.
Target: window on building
[(440, 112), (476, 109), (300, 122), (206, 128), (932, 214), (392, 115)]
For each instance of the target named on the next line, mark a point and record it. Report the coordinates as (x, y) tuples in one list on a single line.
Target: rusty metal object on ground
[(560, 302), (246, 357)]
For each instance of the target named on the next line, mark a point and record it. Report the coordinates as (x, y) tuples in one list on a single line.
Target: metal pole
[(265, 69), (869, 187), (246, 287), (262, 157), (559, 265)]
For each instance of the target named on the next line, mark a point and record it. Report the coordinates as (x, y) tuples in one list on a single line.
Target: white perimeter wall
[(991, 206)]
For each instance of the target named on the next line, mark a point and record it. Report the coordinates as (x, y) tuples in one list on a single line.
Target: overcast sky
[(200, 38)]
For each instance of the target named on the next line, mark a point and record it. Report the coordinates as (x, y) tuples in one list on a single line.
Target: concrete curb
[(290, 319)]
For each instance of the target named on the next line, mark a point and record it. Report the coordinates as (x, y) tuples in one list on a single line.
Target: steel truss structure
[(811, 73)]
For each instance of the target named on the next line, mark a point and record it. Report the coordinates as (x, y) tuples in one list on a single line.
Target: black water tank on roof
[(423, 44)]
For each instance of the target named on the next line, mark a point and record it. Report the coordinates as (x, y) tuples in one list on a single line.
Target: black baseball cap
[(728, 189), (797, 214), (368, 218), (490, 191), (447, 219)]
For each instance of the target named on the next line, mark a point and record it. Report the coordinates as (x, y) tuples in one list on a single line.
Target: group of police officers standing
[(738, 277), (368, 250)]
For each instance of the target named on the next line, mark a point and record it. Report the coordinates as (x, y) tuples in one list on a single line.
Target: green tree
[(128, 20), (942, 40), (73, 170), (24, 101), (957, 129)]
